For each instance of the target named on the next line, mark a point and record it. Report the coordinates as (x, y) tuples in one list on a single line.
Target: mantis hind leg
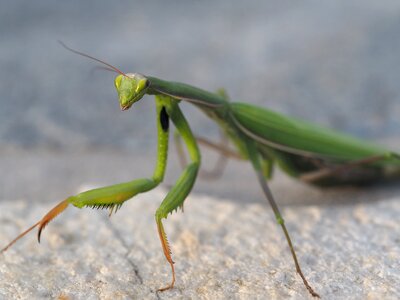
[(255, 158), (353, 171)]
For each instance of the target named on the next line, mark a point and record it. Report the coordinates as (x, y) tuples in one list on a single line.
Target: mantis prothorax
[(308, 152)]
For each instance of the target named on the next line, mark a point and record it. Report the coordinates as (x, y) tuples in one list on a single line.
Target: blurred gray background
[(335, 63)]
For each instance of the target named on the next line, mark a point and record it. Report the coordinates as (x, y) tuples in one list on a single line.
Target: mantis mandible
[(305, 151)]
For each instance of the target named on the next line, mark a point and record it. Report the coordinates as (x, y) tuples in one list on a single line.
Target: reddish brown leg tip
[(314, 294), (42, 223), (310, 289), (171, 286), (59, 208), (39, 233)]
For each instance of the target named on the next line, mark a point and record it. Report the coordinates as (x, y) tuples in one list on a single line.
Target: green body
[(298, 147), (303, 150)]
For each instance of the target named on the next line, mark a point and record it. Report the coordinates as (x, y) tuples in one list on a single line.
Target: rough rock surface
[(222, 249)]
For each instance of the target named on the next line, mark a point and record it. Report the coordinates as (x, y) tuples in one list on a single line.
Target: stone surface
[(222, 249)]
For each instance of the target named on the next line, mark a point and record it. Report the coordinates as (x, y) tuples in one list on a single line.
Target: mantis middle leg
[(223, 150), (221, 147)]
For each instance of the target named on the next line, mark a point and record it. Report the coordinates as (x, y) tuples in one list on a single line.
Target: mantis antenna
[(109, 66)]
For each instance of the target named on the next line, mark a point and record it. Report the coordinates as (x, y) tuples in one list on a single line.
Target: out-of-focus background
[(335, 63)]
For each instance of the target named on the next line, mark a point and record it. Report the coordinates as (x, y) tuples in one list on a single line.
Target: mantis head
[(130, 88)]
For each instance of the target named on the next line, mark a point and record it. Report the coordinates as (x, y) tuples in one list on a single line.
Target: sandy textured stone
[(222, 250)]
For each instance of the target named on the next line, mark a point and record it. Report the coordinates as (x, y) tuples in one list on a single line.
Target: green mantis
[(305, 151)]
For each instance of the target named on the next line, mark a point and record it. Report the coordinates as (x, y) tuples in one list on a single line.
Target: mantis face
[(130, 88)]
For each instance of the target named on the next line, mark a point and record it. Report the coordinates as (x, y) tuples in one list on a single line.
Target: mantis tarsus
[(305, 151)]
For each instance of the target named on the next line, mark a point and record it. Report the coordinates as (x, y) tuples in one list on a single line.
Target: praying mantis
[(305, 151)]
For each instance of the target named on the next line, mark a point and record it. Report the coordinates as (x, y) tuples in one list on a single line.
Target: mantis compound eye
[(117, 81)]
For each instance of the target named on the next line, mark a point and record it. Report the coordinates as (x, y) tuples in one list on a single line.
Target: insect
[(305, 151)]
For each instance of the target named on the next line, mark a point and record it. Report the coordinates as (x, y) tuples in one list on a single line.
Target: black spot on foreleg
[(164, 119)]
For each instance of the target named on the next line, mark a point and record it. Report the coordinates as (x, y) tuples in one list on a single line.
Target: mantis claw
[(42, 223), (171, 285), (41, 227), (51, 215)]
